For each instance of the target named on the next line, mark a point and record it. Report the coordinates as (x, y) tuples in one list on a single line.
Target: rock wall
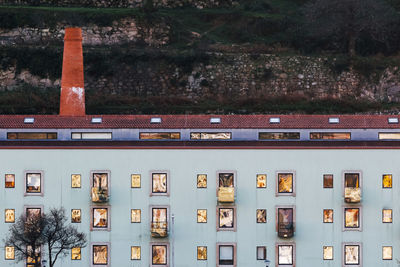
[(121, 3), (237, 76)]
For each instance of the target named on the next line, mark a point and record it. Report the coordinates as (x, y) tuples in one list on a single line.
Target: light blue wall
[(311, 234)]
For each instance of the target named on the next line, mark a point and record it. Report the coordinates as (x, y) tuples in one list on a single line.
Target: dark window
[(32, 136), (328, 180), (278, 136), (159, 135), (330, 136)]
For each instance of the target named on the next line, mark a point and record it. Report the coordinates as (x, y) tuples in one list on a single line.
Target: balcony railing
[(352, 194), (285, 229), (226, 194), (159, 229), (100, 194)]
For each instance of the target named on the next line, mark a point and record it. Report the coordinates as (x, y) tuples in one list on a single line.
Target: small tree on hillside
[(347, 21), (51, 231)]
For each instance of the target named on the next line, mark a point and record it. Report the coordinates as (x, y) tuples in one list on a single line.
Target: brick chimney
[(72, 100)]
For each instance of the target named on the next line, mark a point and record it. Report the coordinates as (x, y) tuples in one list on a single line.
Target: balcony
[(226, 194), (285, 229), (352, 194), (159, 229), (100, 195)]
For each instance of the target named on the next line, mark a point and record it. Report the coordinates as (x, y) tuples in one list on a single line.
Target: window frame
[(197, 215), (277, 207), (360, 262), (5, 175), (140, 218), (391, 250), (391, 181), (80, 180), (329, 139), (140, 255), (108, 172), (92, 208), (265, 253), (152, 194), (212, 139), (277, 245), (151, 244), (151, 207), (5, 253), (391, 215), (80, 254), (234, 179), (41, 207), (140, 180), (41, 193), (293, 193), (80, 216), (323, 180), (232, 229), (360, 221), (360, 179), (323, 216), (323, 253), (142, 134), (5, 216), (266, 181), (197, 181), (257, 216), (108, 244), (197, 252), (233, 244)]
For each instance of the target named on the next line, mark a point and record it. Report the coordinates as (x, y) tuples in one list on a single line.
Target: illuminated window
[(100, 255), (33, 183), (279, 136), (389, 136), (261, 253), (328, 216), (261, 216), (285, 184), (261, 180), (159, 221), (32, 256), (330, 136), (201, 253), (201, 216), (328, 180), (226, 218), (10, 180), (285, 218), (100, 184), (76, 216), (387, 181), (328, 253), (9, 253), (76, 253), (226, 254), (159, 254), (136, 253), (136, 215), (352, 219), (201, 180), (76, 181), (387, 253), (286, 254), (387, 215), (352, 254), (91, 136), (352, 180), (159, 184), (33, 212), (159, 136), (100, 219), (226, 180), (31, 136), (210, 136), (9, 215), (136, 181)]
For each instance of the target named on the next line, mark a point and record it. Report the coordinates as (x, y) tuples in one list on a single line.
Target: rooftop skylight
[(29, 120), (155, 120), (274, 120), (97, 120)]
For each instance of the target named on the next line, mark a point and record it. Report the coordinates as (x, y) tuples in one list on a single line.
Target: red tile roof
[(200, 122)]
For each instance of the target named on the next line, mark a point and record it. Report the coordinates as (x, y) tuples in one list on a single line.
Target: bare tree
[(30, 234), (348, 20)]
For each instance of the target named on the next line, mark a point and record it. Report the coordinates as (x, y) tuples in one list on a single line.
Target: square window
[(136, 215), (9, 253), (136, 253), (285, 184), (201, 180), (226, 255), (226, 219), (328, 180), (261, 216), (159, 184), (10, 180), (387, 215), (285, 218), (100, 254), (226, 179), (285, 255), (75, 181), (328, 253), (261, 253), (159, 254), (75, 215), (351, 255), (387, 181), (201, 216), (100, 218), (135, 181), (76, 253), (33, 183), (9, 215), (261, 181), (201, 253), (387, 253), (352, 218), (328, 216)]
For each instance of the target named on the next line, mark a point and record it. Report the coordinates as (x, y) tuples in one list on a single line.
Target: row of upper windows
[(226, 254), (195, 136)]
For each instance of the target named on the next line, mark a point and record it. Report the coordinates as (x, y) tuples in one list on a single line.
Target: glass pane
[(159, 215), (389, 136), (100, 255), (387, 253), (387, 181), (226, 180), (76, 253), (31, 256), (135, 181), (330, 136), (226, 252), (261, 251), (75, 180), (201, 216), (352, 180), (261, 180), (202, 181), (33, 212), (159, 254), (32, 136), (100, 180), (10, 180), (352, 218), (285, 215), (351, 254), (202, 253), (76, 136), (33, 182), (328, 253), (261, 216), (285, 254), (328, 216), (135, 253), (96, 135), (387, 216), (285, 183), (160, 135), (159, 182), (210, 136), (10, 253), (226, 218), (76, 216), (100, 218), (136, 215), (10, 215), (278, 136), (328, 181)]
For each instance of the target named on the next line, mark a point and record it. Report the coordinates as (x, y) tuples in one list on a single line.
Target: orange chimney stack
[(72, 101)]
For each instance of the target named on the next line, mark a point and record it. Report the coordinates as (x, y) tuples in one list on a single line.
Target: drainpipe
[(172, 241)]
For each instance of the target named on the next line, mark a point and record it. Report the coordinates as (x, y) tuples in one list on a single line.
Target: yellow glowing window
[(9, 215), (351, 254), (285, 182), (76, 181), (352, 217), (352, 180), (159, 183), (136, 253), (9, 253), (330, 136), (201, 180), (135, 181), (159, 255), (261, 216), (76, 253), (136, 215), (328, 216), (387, 253), (76, 216), (387, 215), (328, 253), (261, 180), (100, 218), (10, 180), (328, 180), (387, 181), (201, 253), (201, 216), (100, 254), (159, 136)]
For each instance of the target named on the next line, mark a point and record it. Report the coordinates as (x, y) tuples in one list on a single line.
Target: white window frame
[(41, 193), (344, 244)]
